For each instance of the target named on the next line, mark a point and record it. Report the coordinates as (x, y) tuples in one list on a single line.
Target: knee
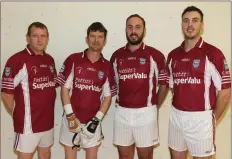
[(146, 156), (126, 152), (178, 154), (22, 155), (126, 155), (70, 153), (45, 154)]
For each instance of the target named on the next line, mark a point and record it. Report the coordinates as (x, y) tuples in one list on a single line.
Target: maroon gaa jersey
[(137, 75), (88, 83), (31, 79), (196, 76)]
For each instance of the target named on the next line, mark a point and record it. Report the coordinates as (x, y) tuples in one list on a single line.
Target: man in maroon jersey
[(139, 69), (200, 83), (87, 81), (28, 81)]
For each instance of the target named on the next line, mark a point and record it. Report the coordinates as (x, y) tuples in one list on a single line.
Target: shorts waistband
[(133, 107), (136, 109), (191, 112)]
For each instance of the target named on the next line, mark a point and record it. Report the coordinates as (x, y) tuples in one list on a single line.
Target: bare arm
[(106, 101), (161, 95), (65, 96), (105, 104), (172, 90), (8, 101), (223, 98)]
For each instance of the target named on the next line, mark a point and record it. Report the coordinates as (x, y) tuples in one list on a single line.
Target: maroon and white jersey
[(31, 79), (137, 75), (196, 76), (88, 83)]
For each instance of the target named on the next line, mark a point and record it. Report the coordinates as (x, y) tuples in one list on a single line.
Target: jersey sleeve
[(55, 73), (168, 69), (161, 69), (12, 75), (220, 70), (109, 87), (66, 73), (115, 72), (112, 59)]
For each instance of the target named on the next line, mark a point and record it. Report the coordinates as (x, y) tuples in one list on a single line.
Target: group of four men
[(196, 72)]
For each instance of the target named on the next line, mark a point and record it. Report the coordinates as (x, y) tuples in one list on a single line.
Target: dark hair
[(138, 16), (96, 26), (191, 9), (37, 25)]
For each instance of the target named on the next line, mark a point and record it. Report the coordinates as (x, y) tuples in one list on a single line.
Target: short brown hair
[(37, 25), (97, 26), (191, 9), (137, 16)]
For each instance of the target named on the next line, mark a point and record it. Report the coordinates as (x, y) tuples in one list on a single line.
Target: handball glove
[(92, 125), (74, 124)]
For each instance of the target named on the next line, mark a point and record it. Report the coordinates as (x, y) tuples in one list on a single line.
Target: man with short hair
[(199, 78), (87, 81), (139, 69), (28, 92)]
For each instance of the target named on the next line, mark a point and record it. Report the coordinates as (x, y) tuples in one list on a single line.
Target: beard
[(135, 42)]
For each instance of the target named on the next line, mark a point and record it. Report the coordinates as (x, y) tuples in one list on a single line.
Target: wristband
[(99, 115), (68, 109)]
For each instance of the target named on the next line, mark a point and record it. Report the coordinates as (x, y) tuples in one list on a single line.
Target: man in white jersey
[(200, 81), (139, 69)]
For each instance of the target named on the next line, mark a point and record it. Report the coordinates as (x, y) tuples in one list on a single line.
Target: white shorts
[(192, 131), (66, 137), (136, 125), (28, 143)]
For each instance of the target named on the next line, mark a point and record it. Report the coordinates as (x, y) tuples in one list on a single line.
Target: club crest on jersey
[(79, 70), (226, 65), (62, 68), (51, 68), (120, 61), (174, 64), (100, 74), (142, 61), (7, 71), (34, 69), (196, 63)]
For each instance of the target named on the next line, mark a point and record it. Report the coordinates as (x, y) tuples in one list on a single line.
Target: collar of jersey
[(141, 48), (84, 55), (199, 44), (31, 52)]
